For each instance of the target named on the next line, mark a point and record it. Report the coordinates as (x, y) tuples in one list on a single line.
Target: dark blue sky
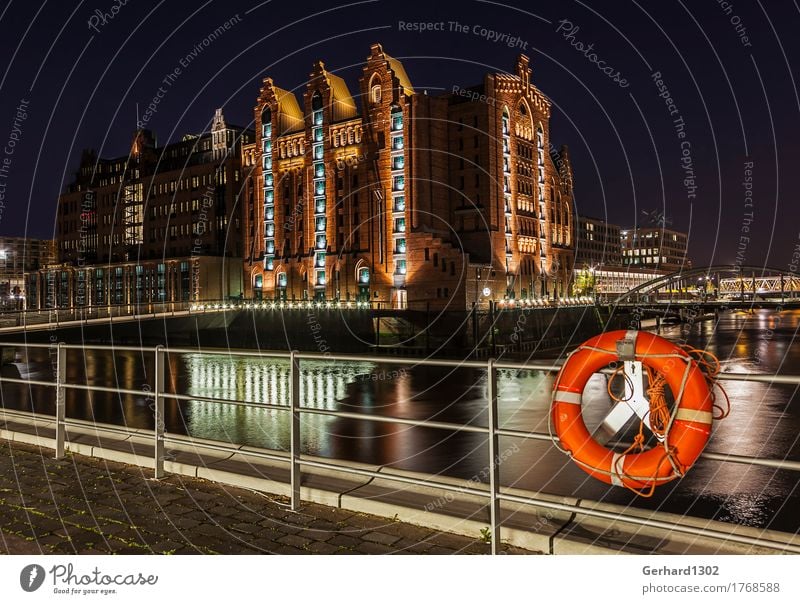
[(737, 97)]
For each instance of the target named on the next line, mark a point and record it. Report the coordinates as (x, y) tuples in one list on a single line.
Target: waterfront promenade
[(91, 506)]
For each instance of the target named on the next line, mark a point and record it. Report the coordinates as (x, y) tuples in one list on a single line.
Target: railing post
[(158, 394), (294, 442), (61, 398), (494, 468)]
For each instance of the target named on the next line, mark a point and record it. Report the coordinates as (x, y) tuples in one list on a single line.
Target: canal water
[(764, 419)]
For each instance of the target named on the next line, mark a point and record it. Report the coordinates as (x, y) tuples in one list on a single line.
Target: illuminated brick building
[(160, 224), (445, 200)]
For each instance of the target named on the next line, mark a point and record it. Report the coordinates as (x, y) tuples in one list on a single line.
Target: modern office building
[(608, 282), (405, 198), (597, 243), (654, 248), (160, 224)]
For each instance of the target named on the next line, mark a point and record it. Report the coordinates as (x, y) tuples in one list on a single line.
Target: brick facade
[(161, 224), (414, 200)]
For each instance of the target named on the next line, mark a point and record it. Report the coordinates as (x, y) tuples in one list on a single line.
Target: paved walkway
[(87, 505)]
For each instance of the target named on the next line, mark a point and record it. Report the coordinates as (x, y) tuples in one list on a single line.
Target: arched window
[(266, 123), (375, 89), (316, 102), (525, 129)]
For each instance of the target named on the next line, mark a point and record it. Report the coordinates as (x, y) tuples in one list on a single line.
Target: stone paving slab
[(82, 505)]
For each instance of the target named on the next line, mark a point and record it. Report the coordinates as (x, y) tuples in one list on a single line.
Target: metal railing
[(11, 320), (494, 493), (36, 316)]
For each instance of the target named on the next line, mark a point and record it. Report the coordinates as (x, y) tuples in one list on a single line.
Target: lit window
[(397, 121), (375, 94)]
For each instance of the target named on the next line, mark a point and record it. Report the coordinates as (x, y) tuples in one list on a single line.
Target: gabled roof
[(400, 72), (288, 110), (342, 103)]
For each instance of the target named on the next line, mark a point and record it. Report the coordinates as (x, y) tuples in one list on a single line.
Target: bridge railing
[(145, 309), (142, 310), (494, 494), (153, 309)]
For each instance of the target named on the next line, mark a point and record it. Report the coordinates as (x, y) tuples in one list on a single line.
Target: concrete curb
[(525, 525)]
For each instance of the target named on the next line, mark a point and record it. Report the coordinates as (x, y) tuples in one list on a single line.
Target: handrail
[(494, 493), (360, 358)]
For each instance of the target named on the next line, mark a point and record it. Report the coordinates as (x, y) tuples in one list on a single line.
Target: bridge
[(729, 285)]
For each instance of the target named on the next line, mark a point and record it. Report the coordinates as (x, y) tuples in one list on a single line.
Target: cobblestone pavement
[(91, 506)]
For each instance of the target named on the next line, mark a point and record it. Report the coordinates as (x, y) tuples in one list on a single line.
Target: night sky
[(729, 68)]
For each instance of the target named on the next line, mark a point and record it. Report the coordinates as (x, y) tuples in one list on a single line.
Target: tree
[(584, 283)]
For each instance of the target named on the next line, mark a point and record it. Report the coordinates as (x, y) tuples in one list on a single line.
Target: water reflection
[(262, 381), (764, 420)]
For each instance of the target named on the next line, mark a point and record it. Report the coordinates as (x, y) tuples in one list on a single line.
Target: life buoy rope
[(683, 432)]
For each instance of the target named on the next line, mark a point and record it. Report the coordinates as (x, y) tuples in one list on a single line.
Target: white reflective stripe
[(573, 398), (694, 415), (617, 461)]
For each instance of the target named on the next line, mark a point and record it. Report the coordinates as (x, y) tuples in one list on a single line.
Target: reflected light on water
[(263, 381), (764, 420)]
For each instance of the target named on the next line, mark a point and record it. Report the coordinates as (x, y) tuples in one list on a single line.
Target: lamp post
[(741, 283)]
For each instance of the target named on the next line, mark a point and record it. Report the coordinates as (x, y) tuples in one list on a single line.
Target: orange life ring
[(690, 425)]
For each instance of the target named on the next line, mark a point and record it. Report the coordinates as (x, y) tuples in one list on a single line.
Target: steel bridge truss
[(728, 279)]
